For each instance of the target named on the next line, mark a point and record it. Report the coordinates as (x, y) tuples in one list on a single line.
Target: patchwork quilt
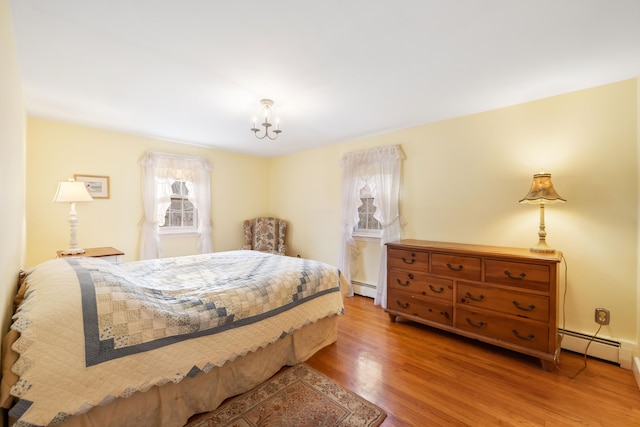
[(93, 331)]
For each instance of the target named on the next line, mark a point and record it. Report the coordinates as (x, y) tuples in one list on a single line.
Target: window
[(380, 169), (367, 225), (181, 215), (176, 196)]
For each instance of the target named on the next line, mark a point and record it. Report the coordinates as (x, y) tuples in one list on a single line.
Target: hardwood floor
[(424, 377)]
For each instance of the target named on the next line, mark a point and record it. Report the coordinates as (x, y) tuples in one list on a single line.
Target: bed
[(154, 342)]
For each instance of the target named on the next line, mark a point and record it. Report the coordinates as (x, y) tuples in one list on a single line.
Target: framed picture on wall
[(97, 186)]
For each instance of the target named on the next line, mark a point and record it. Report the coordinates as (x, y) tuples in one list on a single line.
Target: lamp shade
[(71, 192), (542, 191)]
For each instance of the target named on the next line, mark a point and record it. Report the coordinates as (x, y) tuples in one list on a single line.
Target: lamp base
[(542, 247), (73, 251)]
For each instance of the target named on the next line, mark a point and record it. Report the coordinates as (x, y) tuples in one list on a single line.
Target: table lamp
[(72, 192), (542, 193)]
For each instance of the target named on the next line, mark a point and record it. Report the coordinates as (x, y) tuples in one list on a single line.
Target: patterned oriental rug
[(299, 396)]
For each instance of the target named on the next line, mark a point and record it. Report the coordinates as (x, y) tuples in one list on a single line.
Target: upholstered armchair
[(265, 234)]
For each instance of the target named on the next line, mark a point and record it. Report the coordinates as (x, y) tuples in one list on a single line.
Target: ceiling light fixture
[(267, 112)]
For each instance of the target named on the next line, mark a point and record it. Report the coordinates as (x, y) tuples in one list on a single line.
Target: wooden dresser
[(503, 296)]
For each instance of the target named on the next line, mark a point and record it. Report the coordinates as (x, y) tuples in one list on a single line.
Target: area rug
[(299, 396)]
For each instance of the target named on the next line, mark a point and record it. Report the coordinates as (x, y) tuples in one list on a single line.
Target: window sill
[(366, 237), (172, 234)]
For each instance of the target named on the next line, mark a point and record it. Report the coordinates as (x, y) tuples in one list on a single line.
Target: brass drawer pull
[(527, 338), (510, 276), (408, 261), (437, 291), (458, 268), (480, 298), (405, 305), (475, 325), (519, 307), (403, 284)]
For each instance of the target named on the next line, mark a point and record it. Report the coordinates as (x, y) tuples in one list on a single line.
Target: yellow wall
[(462, 180), (56, 151), (636, 363), (12, 168)]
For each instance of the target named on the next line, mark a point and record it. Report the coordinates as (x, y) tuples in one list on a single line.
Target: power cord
[(556, 355)]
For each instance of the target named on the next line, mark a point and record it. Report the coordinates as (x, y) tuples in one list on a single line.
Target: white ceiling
[(194, 70)]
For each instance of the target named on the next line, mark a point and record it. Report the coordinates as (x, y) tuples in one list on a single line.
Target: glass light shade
[(542, 191), (266, 113), (71, 192)]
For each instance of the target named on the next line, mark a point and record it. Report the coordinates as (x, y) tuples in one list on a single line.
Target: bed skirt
[(171, 405)]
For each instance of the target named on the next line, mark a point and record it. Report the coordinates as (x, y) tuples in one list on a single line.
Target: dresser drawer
[(530, 335), (518, 274), (413, 305), (458, 267), (421, 284), (408, 259), (505, 301)]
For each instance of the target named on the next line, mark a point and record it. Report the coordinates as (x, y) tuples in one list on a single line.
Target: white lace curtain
[(159, 172), (379, 168)]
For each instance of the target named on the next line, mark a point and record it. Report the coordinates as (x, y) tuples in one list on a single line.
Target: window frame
[(180, 231), (366, 234)]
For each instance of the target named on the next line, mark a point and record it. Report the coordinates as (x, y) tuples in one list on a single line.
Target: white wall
[(12, 167)]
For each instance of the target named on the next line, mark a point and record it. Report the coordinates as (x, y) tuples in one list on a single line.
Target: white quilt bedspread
[(91, 331)]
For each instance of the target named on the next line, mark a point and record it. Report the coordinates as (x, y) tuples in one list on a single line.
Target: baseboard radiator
[(364, 289), (600, 348)]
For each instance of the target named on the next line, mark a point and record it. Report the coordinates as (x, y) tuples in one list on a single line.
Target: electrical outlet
[(602, 316)]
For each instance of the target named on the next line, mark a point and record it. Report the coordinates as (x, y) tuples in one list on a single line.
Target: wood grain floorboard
[(425, 377)]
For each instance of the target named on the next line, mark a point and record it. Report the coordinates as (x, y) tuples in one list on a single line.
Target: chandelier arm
[(266, 134)]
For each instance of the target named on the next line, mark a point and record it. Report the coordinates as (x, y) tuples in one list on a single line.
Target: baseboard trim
[(600, 348)]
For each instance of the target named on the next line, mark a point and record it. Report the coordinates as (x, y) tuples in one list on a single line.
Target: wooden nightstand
[(107, 253)]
